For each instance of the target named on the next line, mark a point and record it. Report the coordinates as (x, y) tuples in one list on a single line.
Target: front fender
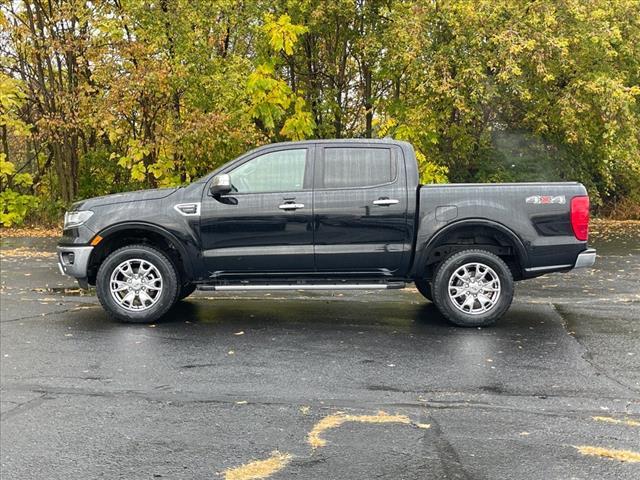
[(182, 241)]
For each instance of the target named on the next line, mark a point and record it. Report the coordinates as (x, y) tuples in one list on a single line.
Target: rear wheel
[(137, 284), (424, 287), (473, 288)]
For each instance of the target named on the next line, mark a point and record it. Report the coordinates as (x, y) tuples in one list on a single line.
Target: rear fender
[(426, 248)]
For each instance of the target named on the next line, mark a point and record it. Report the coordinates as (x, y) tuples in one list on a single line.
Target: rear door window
[(354, 167)]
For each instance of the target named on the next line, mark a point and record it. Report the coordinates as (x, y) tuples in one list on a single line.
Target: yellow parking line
[(259, 468), (622, 455), (332, 421), (627, 422)]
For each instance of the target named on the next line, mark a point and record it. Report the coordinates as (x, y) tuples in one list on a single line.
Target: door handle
[(291, 206), (385, 202)]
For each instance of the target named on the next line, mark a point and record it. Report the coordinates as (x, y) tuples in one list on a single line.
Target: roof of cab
[(341, 140), (386, 140)]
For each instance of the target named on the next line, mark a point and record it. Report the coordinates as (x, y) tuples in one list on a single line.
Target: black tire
[(167, 296), (186, 290), (424, 287), (446, 305)]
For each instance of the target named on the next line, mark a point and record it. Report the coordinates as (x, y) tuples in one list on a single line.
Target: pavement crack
[(199, 365), (42, 315), (25, 407), (164, 393), (452, 466), (567, 324)]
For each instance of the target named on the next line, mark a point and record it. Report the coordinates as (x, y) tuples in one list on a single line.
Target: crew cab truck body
[(325, 214)]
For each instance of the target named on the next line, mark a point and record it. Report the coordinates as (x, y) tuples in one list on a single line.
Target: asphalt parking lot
[(351, 385)]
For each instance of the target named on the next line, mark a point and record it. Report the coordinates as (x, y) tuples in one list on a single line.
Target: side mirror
[(220, 184)]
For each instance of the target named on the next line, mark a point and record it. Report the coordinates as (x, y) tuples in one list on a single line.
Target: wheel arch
[(129, 233), (443, 242)]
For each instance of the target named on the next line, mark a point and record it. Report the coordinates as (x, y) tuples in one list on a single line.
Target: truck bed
[(536, 214)]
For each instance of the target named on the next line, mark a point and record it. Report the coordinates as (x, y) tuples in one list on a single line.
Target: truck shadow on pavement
[(338, 313), (222, 314)]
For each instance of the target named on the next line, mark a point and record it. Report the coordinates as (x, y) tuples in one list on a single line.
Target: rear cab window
[(356, 167)]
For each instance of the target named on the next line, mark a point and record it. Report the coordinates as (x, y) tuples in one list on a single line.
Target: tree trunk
[(5, 142), (367, 101)]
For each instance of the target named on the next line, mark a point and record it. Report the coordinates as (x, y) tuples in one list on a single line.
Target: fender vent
[(188, 209)]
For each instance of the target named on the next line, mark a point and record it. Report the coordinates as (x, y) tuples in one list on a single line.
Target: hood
[(127, 197)]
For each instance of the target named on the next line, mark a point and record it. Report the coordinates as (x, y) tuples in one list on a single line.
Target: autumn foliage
[(113, 95)]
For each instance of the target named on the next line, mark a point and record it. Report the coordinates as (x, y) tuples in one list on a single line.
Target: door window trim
[(318, 184)]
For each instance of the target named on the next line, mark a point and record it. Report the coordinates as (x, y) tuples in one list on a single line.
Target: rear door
[(360, 209), (265, 224)]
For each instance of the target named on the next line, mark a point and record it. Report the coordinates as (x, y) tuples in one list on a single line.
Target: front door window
[(281, 171)]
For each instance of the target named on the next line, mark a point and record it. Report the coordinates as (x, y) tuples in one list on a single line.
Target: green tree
[(122, 94), (15, 200)]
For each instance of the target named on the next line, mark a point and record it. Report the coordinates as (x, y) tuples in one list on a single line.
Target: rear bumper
[(586, 258), (74, 262)]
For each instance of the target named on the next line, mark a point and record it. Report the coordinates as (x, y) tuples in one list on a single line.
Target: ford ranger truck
[(325, 215)]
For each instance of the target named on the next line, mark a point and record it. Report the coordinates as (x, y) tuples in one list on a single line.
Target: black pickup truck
[(325, 215)]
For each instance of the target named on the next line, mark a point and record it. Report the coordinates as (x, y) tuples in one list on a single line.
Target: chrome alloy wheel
[(136, 284), (474, 288)]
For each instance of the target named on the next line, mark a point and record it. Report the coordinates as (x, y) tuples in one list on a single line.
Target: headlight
[(75, 219)]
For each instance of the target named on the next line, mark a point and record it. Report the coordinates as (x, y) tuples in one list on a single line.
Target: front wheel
[(137, 284), (186, 290), (473, 288)]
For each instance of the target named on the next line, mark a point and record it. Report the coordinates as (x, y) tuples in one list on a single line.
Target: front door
[(264, 225), (360, 209)]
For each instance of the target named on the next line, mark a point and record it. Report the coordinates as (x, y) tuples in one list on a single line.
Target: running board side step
[(297, 286)]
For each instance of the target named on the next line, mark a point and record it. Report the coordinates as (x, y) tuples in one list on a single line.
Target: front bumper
[(586, 258), (74, 261)]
